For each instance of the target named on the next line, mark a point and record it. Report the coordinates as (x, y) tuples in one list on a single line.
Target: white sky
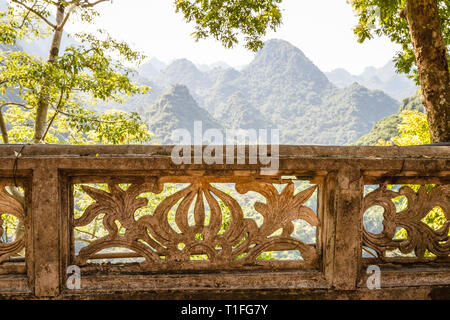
[(322, 29)]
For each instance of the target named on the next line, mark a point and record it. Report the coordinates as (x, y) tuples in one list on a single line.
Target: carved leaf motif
[(279, 211), (420, 236), (10, 205), (153, 237), (120, 205), (116, 204)]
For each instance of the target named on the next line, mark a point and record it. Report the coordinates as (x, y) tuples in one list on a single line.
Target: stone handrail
[(196, 239)]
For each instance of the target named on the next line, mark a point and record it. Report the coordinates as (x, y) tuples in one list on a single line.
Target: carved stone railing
[(137, 225)]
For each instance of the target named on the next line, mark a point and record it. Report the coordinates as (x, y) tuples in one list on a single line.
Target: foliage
[(413, 103), (388, 128), (66, 82), (384, 129), (17, 25), (413, 130), (382, 17), (10, 227), (224, 19), (238, 113), (81, 127)]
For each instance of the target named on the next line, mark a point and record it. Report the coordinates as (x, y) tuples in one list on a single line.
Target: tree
[(61, 85), (413, 131), (225, 19), (421, 27)]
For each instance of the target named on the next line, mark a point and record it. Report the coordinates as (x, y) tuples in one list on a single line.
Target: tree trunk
[(431, 55), (3, 128), (43, 103)]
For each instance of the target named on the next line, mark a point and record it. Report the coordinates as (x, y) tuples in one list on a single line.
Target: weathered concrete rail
[(331, 268)]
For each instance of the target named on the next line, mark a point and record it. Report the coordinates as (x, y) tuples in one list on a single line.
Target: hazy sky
[(322, 29)]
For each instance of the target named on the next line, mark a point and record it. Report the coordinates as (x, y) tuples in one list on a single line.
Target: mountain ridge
[(281, 88), (398, 86), (177, 109)]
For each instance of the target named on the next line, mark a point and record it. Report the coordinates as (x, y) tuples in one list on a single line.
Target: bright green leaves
[(225, 19), (79, 127), (102, 41), (413, 131), (20, 123), (17, 24), (382, 17), (89, 70), (79, 76), (112, 127), (22, 73), (8, 33)]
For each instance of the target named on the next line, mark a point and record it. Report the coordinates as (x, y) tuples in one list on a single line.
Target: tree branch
[(85, 3), (58, 107), (35, 12), (3, 130), (66, 18), (92, 4), (14, 104), (86, 118), (26, 16)]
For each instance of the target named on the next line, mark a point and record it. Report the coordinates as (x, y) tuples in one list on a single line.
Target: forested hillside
[(281, 88), (388, 127), (176, 109)]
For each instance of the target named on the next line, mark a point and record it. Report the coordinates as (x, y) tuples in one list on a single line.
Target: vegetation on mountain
[(388, 128), (282, 88), (238, 113), (385, 129), (413, 130), (386, 79), (413, 103), (177, 109)]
